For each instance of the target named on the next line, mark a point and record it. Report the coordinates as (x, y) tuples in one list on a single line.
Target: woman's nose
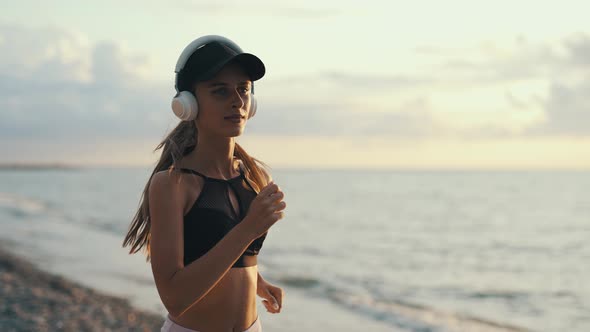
[(238, 100)]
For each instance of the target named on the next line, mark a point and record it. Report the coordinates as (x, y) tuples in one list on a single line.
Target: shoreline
[(35, 300)]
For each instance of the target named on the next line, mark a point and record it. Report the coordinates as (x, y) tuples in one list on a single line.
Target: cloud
[(567, 106), (382, 82), (578, 50), (492, 64), (261, 8), (515, 72), (48, 54), (567, 111), (100, 91), (410, 119), (55, 85)]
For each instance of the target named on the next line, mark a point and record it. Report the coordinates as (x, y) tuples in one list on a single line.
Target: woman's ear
[(194, 89)]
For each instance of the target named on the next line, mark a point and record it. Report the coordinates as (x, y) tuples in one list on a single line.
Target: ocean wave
[(418, 317), (400, 313), (300, 281), (20, 206), (505, 295)]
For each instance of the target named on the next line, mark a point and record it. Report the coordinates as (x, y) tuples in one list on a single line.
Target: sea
[(356, 250)]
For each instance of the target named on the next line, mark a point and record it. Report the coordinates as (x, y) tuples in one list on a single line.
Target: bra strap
[(192, 171)]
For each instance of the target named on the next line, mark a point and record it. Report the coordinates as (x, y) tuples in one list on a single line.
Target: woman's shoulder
[(164, 182), (173, 184), (174, 180)]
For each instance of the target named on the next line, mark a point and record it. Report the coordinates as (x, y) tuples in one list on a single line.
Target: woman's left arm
[(273, 296)]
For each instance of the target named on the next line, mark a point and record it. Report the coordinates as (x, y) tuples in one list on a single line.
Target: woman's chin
[(236, 132)]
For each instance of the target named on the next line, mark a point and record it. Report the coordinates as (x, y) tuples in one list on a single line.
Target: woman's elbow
[(171, 302), (173, 312), (177, 310), (174, 308), (176, 304)]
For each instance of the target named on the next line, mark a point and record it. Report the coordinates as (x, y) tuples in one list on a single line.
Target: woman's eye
[(224, 92), (221, 92)]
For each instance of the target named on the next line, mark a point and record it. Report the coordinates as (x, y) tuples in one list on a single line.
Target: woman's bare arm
[(181, 286)]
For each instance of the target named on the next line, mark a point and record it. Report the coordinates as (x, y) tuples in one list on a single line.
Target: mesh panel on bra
[(214, 195)]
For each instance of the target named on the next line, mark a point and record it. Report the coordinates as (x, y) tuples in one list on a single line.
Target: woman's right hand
[(265, 210)]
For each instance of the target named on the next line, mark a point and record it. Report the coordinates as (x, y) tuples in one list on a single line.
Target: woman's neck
[(215, 159)]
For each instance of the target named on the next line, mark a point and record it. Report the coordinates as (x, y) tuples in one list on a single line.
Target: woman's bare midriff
[(230, 306)]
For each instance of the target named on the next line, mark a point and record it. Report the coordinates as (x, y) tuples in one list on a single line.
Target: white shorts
[(170, 326)]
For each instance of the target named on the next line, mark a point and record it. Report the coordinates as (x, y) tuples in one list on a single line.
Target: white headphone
[(184, 103)]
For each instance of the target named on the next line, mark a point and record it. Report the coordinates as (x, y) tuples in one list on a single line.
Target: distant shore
[(37, 166), (33, 300)]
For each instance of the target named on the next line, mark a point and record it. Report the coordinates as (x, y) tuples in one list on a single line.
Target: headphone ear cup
[(185, 106), (253, 106)]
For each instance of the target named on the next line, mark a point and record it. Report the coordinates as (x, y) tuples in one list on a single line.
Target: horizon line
[(73, 166)]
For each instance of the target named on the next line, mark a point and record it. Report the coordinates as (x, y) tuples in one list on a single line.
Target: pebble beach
[(34, 300)]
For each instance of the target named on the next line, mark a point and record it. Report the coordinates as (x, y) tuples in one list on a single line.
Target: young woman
[(208, 205)]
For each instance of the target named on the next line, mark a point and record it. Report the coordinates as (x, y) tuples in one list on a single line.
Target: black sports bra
[(212, 216)]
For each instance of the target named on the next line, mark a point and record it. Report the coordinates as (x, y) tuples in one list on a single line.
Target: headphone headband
[(200, 42)]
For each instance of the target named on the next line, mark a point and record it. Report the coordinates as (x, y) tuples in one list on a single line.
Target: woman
[(208, 205)]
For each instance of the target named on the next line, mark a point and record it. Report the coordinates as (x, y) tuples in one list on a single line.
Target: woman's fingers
[(269, 307), (268, 189), (281, 206), (274, 197), (277, 195)]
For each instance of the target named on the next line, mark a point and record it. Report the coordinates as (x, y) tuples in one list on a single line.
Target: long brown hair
[(180, 142)]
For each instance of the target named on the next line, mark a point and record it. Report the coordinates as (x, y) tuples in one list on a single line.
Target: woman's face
[(226, 94)]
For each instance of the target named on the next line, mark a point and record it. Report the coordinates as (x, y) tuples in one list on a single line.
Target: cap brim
[(252, 65)]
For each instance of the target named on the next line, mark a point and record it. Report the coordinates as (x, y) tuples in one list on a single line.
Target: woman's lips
[(234, 119)]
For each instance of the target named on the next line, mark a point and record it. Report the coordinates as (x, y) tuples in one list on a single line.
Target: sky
[(349, 84)]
